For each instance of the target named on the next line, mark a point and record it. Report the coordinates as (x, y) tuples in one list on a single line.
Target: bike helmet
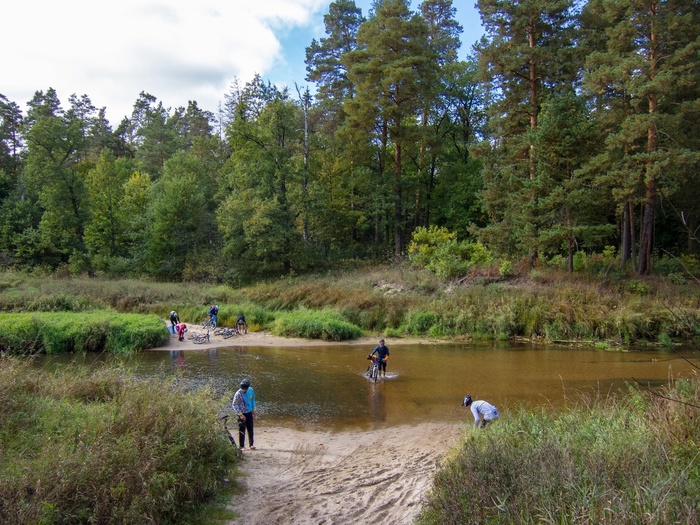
[(245, 384), (467, 401), (381, 341)]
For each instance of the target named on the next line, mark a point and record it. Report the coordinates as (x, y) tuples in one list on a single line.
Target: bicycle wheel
[(228, 333), (199, 339), (375, 372)]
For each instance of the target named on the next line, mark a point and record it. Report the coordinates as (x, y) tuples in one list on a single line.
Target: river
[(325, 387)]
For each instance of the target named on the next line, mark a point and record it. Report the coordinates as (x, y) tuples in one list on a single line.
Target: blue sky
[(177, 50)]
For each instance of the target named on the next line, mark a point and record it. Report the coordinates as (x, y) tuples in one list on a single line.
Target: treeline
[(571, 128)]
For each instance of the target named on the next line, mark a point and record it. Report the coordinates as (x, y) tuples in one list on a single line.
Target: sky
[(175, 50)]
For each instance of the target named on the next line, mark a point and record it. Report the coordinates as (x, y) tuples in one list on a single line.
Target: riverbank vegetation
[(400, 300), (91, 331), (626, 459), (103, 447)]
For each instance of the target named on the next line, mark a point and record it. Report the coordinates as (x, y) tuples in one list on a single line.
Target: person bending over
[(241, 325), (482, 411)]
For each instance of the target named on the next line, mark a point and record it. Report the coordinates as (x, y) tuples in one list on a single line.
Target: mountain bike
[(373, 368), (231, 439), (225, 332), (208, 323), (198, 338)]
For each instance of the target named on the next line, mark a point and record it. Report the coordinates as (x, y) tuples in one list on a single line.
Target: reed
[(544, 305)]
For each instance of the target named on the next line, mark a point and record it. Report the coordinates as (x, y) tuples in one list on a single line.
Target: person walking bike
[(243, 405), (382, 352)]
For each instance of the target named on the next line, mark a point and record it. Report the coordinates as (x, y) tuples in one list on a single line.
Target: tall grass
[(542, 305), (102, 447), (64, 332), (310, 324), (616, 460)]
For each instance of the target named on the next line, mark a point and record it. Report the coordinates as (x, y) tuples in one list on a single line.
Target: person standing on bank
[(482, 411), (382, 352), (244, 406), (174, 318)]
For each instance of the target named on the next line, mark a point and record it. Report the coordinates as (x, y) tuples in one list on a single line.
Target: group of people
[(482, 411), (180, 328), (243, 403)]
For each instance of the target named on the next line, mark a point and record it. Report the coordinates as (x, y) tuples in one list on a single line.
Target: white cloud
[(176, 50)]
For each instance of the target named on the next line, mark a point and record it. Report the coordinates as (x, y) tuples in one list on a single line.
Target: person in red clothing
[(181, 328)]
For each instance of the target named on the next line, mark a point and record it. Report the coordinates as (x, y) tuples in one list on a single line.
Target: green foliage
[(544, 304), (420, 323), (324, 324), (52, 333), (438, 250), (102, 447), (577, 466)]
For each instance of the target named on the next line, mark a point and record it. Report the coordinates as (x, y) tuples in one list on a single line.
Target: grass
[(102, 447), (311, 324), (65, 332), (397, 301), (624, 460)]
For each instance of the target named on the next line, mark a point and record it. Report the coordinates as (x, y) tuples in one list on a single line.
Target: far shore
[(267, 339)]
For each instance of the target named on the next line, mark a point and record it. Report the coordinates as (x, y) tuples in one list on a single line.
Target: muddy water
[(326, 387)]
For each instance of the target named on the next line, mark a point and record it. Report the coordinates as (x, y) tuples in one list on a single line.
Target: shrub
[(105, 448), (325, 325), (54, 332)]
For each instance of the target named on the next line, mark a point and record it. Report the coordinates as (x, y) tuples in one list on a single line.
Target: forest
[(571, 129)]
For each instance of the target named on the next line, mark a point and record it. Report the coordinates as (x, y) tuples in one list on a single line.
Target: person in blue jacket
[(244, 406)]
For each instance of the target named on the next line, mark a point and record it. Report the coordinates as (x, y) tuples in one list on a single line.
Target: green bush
[(54, 332), (438, 250), (325, 325)]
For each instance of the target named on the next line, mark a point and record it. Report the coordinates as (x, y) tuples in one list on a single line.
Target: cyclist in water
[(382, 352)]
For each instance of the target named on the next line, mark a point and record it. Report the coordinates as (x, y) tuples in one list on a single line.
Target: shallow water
[(326, 387)]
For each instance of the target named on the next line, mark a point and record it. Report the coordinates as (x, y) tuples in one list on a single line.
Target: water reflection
[(327, 386)]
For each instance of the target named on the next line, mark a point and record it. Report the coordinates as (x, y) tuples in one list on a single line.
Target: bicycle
[(225, 332), (231, 439), (198, 338), (373, 368), (208, 322)]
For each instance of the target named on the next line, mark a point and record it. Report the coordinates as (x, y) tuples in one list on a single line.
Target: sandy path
[(312, 477)]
